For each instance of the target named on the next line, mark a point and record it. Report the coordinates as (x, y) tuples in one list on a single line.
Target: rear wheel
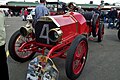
[(95, 24), (76, 57), (119, 34), (100, 32), (15, 43)]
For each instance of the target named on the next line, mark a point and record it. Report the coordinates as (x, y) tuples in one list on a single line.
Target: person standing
[(111, 18), (115, 13), (25, 14), (3, 59), (40, 10)]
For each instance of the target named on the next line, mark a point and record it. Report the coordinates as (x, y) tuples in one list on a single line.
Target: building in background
[(16, 7)]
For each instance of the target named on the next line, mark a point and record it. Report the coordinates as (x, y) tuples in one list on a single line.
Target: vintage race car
[(63, 36)]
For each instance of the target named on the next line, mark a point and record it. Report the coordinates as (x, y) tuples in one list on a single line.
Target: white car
[(33, 11), (31, 15)]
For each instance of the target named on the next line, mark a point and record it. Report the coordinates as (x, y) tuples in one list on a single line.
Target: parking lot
[(103, 59)]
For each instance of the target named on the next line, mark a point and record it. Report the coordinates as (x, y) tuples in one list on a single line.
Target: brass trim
[(75, 21), (45, 18)]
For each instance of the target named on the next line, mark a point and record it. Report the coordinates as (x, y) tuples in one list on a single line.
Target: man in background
[(113, 14), (3, 59), (40, 10)]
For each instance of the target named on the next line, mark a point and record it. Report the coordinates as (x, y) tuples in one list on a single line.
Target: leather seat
[(88, 16)]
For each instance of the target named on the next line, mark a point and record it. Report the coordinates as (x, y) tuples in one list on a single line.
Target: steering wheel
[(71, 6)]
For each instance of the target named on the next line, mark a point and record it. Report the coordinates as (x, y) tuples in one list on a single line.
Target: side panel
[(83, 28), (68, 29)]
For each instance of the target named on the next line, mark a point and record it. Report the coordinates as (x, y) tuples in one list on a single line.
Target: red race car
[(63, 36)]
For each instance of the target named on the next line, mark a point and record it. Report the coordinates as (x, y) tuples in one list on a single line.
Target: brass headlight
[(24, 31), (55, 34)]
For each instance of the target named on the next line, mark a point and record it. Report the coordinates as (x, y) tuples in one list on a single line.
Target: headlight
[(24, 31), (55, 34)]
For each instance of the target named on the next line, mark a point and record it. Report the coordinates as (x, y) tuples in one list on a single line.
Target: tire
[(117, 26), (72, 56), (95, 22), (119, 34), (14, 42), (100, 32)]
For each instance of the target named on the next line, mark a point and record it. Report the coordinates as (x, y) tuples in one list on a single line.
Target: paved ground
[(103, 61)]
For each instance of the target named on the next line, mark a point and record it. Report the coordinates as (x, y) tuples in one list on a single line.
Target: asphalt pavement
[(103, 61)]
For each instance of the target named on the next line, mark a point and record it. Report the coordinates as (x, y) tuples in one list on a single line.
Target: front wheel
[(15, 43), (119, 34), (76, 57)]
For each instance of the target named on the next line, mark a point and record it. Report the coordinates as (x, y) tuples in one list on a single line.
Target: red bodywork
[(72, 24)]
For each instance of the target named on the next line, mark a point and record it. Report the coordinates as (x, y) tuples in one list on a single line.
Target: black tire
[(13, 52), (100, 32), (94, 22), (119, 34), (117, 26), (70, 57)]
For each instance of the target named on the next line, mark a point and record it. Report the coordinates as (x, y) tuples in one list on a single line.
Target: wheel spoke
[(80, 51), (76, 64), (25, 53)]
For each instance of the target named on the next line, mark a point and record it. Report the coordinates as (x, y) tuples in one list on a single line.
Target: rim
[(79, 57), (18, 43)]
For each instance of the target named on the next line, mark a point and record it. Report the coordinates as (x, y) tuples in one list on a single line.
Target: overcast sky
[(76, 1)]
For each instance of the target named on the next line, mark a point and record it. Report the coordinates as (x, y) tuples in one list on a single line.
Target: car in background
[(31, 13)]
